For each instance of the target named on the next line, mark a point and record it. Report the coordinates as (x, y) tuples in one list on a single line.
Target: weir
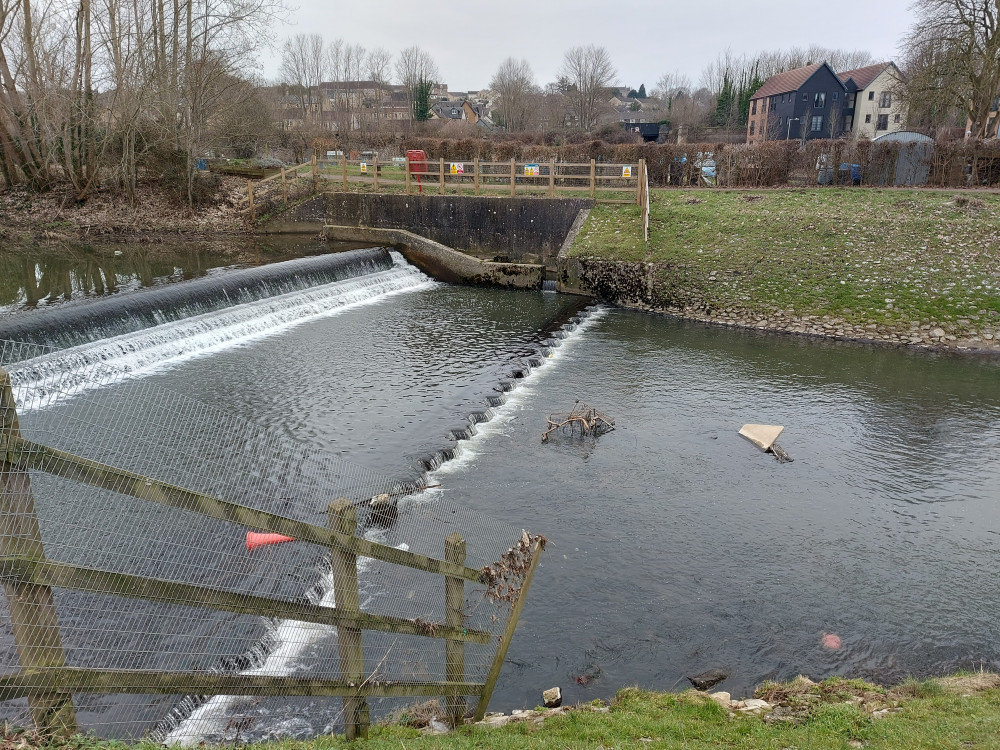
[(108, 317), (86, 399)]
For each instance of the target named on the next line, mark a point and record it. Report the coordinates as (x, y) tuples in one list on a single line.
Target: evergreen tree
[(422, 101), (724, 104), (642, 91), (632, 94)]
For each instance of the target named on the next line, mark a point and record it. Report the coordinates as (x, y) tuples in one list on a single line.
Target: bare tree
[(417, 72), (378, 66), (304, 65), (957, 44), (514, 86), (590, 74)]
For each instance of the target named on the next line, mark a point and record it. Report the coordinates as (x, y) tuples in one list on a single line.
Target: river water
[(675, 546)]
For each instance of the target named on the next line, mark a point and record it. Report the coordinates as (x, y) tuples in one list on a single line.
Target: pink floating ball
[(831, 641)]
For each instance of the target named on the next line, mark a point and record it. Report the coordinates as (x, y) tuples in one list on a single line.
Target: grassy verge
[(955, 712), (902, 258)]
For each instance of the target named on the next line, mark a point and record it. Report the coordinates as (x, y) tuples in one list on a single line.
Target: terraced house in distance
[(815, 102)]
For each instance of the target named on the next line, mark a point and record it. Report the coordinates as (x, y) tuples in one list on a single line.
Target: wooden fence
[(28, 578), (600, 181)]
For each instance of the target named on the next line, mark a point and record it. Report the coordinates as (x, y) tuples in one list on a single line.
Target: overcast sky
[(468, 38)]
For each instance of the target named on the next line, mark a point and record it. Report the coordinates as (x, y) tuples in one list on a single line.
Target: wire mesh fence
[(137, 606)]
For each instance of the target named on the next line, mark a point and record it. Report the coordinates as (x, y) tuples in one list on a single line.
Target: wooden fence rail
[(28, 579), (601, 181)]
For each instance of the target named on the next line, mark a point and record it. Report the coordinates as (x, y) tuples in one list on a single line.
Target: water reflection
[(43, 276)]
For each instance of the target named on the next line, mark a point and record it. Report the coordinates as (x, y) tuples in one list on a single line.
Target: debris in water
[(582, 417), (709, 679), (831, 641), (764, 437)]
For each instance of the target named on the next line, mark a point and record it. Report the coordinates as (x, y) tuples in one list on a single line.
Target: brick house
[(810, 101)]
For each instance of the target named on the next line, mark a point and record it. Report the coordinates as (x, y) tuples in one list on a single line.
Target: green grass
[(841, 714), (865, 255)]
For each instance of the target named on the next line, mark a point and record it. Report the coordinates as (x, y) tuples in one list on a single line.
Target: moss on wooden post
[(344, 519), (454, 602), (32, 608)]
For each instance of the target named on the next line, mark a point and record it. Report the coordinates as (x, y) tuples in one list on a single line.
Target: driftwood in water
[(583, 418)]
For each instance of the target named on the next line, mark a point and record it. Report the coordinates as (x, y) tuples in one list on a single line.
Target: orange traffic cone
[(255, 540)]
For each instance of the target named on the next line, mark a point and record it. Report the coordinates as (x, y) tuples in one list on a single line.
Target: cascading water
[(187, 335), (110, 317)]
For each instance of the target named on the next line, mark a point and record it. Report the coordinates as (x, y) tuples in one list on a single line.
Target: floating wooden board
[(761, 435)]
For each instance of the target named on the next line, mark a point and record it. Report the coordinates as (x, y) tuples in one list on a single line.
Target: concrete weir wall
[(444, 263), (518, 230)]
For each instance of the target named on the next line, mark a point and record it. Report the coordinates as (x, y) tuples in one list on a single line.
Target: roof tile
[(790, 80)]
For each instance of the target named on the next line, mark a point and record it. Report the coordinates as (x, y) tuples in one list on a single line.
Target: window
[(836, 95), (883, 122), (753, 107), (752, 124), (817, 123), (850, 101), (871, 96), (819, 100), (885, 99), (897, 118), (868, 118), (805, 97)]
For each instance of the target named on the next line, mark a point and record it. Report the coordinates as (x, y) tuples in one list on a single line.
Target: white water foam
[(466, 451), (169, 344), (291, 638)]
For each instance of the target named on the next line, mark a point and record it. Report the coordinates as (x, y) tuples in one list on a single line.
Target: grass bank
[(955, 712), (908, 263)]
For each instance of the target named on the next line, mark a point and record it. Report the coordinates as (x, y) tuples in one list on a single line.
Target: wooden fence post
[(512, 183), (284, 186), (344, 518), (32, 609), (315, 174), (407, 175), (253, 215), (593, 177), (552, 177), (441, 173), (475, 174), (375, 166), (508, 632), (454, 602), (343, 168)]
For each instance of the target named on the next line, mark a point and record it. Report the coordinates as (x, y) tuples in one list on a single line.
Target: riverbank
[(906, 267), (106, 216), (961, 711)]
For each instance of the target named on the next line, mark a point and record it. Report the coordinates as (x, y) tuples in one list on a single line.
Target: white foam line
[(469, 449), (161, 347)]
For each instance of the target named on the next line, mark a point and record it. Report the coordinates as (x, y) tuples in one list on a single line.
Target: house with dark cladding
[(816, 102), (808, 102)]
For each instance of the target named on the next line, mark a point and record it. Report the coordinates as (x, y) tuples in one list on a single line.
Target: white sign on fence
[(364, 167), (627, 170), (457, 167)]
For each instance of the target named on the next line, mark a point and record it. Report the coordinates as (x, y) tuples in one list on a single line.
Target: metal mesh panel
[(130, 480)]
